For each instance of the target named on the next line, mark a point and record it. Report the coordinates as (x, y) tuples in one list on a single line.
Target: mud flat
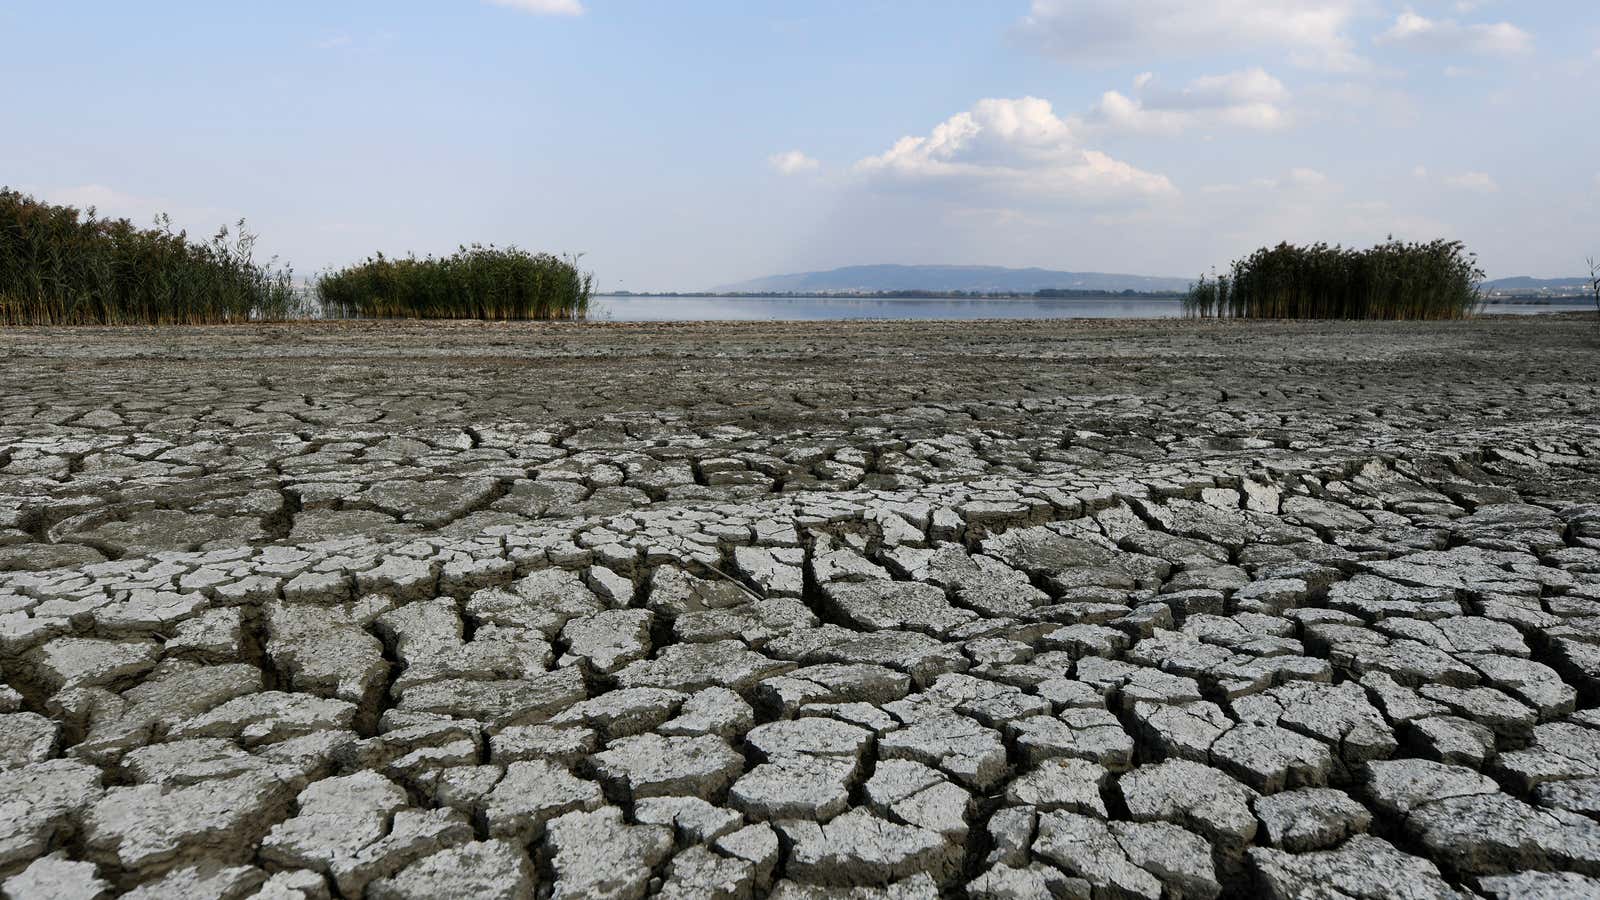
[(1078, 609)]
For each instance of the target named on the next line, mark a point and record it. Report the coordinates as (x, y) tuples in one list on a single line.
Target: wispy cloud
[(108, 200), (112, 203), (792, 162), (1299, 178), (1476, 182), (544, 7), (1415, 32), (1471, 182), (1249, 99), (1311, 33)]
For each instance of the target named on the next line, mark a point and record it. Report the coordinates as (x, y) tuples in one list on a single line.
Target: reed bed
[(62, 266), (476, 282), (1393, 280)]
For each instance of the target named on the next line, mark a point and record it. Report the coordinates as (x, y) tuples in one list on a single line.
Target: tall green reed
[(62, 266), (1393, 280), (475, 282)]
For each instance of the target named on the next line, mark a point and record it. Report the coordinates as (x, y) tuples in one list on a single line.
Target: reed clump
[(1393, 280), (62, 266), (475, 282)]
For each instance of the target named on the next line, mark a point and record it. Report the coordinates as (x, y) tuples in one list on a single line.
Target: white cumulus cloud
[(1312, 33), (792, 162), (1017, 146), (1248, 99), (1416, 32), (544, 7)]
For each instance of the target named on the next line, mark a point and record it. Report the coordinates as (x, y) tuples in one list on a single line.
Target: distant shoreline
[(1488, 300), (904, 295)]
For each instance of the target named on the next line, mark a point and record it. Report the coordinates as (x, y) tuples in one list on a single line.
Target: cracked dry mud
[(838, 610)]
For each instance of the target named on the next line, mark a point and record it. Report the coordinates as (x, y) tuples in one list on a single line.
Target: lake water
[(811, 309)]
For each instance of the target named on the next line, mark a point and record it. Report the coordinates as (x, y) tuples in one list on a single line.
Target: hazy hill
[(1525, 283), (951, 278)]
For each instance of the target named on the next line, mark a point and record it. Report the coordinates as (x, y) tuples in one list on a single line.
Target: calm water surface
[(811, 309)]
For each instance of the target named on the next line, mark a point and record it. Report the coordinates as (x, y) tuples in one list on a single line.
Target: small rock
[(57, 878), (596, 855), (1197, 797), (1310, 818), (493, 870), (1363, 868), (699, 873), (858, 848), (651, 765), (714, 711), (1072, 785)]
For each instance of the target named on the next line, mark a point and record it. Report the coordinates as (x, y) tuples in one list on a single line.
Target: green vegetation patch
[(1394, 280), (60, 266), (475, 282)]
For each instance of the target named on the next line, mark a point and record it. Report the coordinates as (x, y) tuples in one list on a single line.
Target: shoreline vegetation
[(1393, 280), (476, 282), (62, 267)]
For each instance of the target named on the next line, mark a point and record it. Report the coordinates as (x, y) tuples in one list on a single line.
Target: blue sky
[(682, 145)]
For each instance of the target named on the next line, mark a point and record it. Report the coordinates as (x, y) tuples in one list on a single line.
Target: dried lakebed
[(1064, 609)]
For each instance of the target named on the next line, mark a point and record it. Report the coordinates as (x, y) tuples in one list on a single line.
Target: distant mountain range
[(981, 279), (1545, 285)]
